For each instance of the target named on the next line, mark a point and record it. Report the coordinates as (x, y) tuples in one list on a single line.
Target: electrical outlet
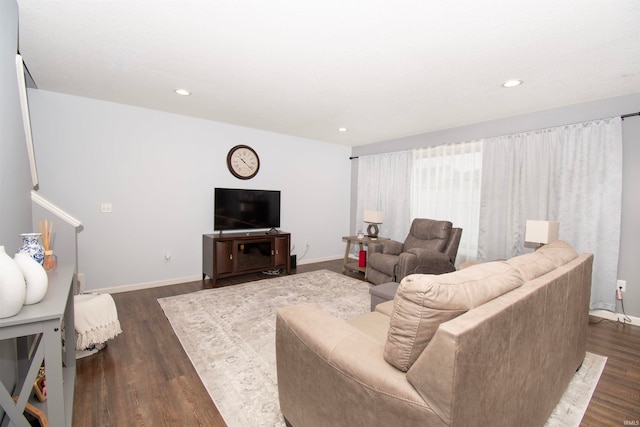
[(622, 285), (106, 207), (80, 281)]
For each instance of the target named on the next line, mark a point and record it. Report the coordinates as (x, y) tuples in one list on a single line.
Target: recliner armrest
[(428, 254), (423, 261), (391, 247)]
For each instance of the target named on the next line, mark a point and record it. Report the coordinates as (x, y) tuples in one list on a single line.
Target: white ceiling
[(384, 69)]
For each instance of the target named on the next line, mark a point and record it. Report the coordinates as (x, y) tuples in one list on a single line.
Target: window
[(446, 186)]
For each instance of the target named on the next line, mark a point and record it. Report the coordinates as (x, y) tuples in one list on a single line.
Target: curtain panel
[(446, 186), (384, 185), (571, 174), (490, 188)]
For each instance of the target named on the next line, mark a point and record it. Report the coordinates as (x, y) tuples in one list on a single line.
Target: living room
[(158, 170)]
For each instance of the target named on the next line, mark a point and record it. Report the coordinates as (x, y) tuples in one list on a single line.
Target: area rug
[(229, 335), (571, 408)]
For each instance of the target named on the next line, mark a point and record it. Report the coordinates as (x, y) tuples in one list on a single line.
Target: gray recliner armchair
[(430, 248)]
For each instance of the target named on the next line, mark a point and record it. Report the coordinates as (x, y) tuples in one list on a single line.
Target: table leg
[(53, 362), (346, 257), (69, 357)]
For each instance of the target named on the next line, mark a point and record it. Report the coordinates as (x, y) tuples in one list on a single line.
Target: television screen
[(237, 209)]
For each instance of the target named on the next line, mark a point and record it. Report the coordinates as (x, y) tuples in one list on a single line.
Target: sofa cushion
[(531, 265), (545, 259), (374, 324), (559, 252), (385, 308), (424, 301)]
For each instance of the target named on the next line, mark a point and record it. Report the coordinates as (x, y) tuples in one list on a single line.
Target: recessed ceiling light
[(512, 83), (182, 92), (342, 129)]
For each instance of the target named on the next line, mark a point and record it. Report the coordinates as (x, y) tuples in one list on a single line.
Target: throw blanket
[(96, 319)]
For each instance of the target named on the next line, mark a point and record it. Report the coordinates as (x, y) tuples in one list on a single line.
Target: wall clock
[(243, 162)]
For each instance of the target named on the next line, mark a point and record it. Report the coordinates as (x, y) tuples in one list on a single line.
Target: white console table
[(44, 322)]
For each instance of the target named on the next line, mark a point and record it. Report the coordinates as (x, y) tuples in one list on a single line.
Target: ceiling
[(383, 69)]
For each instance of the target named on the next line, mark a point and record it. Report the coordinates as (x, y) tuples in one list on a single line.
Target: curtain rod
[(624, 116)]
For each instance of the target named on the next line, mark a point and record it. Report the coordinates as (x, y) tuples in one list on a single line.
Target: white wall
[(15, 180), (158, 170), (628, 266)]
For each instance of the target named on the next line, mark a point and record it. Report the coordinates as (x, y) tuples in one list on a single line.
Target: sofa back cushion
[(424, 301), (545, 259), (531, 265), (559, 252)]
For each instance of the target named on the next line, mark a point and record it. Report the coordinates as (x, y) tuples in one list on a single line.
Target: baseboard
[(609, 315), (311, 261), (176, 281), (146, 285)]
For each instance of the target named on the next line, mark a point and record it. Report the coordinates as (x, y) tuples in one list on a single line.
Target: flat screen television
[(238, 209)]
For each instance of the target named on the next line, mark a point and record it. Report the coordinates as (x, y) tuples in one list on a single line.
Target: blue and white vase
[(31, 246)]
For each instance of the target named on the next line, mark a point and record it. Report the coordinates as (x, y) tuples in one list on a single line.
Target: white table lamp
[(541, 232), (373, 218)]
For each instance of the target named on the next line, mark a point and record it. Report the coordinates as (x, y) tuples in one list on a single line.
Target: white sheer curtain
[(384, 185), (571, 174), (446, 186)]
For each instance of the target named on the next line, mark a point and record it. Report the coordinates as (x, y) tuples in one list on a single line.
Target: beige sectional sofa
[(495, 344)]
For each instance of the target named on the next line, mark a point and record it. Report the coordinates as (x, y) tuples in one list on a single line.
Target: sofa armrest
[(331, 373), (391, 247)]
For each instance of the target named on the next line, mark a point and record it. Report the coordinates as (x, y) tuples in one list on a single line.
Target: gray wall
[(628, 267), (15, 180), (158, 170)]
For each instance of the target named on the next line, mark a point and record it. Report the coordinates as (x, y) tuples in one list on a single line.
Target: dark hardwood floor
[(144, 378), (616, 401)]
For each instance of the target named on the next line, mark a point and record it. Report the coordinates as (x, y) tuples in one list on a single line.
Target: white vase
[(35, 276), (13, 289)]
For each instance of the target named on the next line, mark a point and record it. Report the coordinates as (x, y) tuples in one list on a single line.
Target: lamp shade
[(373, 217), (541, 231)]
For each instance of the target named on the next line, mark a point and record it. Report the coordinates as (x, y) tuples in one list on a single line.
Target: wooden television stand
[(233, 254)]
